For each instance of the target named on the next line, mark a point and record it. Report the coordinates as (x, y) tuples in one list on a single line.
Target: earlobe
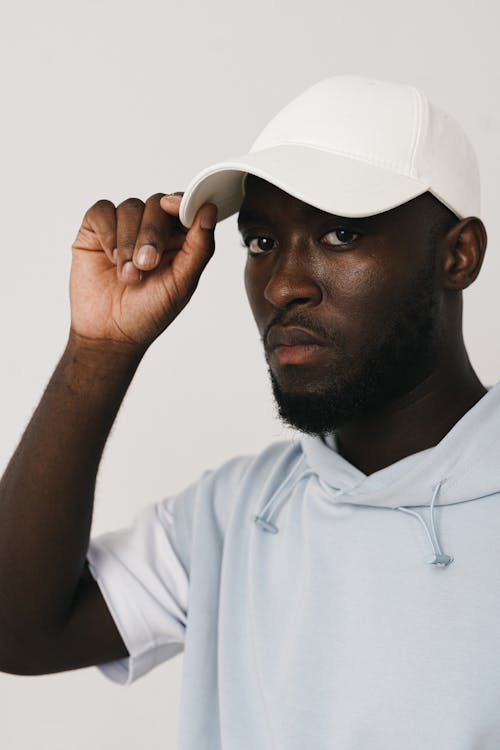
[(465, 246)]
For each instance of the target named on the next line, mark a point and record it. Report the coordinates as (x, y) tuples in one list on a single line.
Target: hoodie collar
[(465, 461), (463, 466)]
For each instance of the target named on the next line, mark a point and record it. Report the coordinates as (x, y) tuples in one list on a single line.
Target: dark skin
[(346, 293), (134, 268), (53, 616)]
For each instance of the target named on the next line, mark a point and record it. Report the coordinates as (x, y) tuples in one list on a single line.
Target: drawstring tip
[(265, 525), (441, 560)]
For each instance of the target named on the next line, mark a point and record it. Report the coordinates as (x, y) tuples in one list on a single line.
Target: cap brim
[(337, 184)]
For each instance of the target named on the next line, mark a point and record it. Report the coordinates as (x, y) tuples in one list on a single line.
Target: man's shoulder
[(221, 492), (274, 458)]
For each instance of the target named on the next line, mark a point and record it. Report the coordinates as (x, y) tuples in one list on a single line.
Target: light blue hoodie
[(319, 608)]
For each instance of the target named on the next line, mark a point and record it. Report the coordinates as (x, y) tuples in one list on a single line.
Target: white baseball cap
[(352, 146)]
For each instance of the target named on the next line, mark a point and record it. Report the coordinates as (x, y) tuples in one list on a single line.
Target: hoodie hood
[(463, 466)]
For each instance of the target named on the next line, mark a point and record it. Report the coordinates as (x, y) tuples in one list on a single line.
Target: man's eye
[(342, 236), (257, 245)]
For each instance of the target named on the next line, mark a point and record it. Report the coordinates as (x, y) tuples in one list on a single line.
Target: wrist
[(104, 350), (96, 362)]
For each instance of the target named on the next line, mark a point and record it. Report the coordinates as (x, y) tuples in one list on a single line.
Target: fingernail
[(130, 272), (208, 218), (172, 197), (115, 253), (147, 256)]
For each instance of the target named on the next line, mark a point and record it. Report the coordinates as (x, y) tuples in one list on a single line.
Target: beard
[(400, 359)]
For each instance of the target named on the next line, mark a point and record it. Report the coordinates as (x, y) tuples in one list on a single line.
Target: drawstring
[(263, 520), (271, 508), (440, 558)]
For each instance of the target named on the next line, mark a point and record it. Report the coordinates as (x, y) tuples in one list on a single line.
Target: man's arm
[(52, 614), (46, 501)]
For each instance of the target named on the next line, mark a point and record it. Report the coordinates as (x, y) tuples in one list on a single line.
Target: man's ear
[(464, 247)]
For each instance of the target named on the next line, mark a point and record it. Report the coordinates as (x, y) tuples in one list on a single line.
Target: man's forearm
[(47, 491)]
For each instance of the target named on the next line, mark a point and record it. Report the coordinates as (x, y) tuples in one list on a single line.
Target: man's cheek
[(364, 295)]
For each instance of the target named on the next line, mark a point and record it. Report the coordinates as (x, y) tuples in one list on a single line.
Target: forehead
[(265, 202), (260, 194)]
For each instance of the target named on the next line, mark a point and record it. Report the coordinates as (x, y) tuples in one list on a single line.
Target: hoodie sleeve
[(143, 574)]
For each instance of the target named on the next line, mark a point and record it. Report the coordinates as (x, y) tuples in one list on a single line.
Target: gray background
[(117, 98)]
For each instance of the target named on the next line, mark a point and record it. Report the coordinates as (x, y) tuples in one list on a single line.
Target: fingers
[(144, 233), (128, 220), (171, 203), (207, 217), (99, 228), (158, 233), (135, 236)]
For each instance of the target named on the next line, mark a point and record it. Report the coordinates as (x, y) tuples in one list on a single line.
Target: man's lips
[(295, 346), (292, 336)]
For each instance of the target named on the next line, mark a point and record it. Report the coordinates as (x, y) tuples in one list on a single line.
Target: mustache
[(303, 319)]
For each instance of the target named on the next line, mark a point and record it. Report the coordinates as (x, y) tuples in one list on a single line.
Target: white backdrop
[(116, 98)]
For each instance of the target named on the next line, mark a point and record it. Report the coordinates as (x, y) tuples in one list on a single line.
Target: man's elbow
[(18, 657)]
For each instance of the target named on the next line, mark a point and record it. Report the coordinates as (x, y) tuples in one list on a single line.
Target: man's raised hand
[(135, 267)]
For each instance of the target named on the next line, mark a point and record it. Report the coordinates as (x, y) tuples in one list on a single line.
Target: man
[(306, 607)]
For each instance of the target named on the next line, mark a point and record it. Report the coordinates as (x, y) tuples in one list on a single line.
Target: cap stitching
[(418, 103)]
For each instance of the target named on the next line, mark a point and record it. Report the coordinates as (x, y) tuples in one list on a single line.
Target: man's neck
[(417, 421)]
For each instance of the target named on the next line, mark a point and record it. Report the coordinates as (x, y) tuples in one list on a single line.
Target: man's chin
[(304, 410), (298, 381), (316, 408)]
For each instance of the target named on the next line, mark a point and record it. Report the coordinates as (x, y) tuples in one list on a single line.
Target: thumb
[(197, 249), (200, 240), (207, 216)]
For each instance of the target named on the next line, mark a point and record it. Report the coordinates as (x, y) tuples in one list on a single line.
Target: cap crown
[(389, 125)]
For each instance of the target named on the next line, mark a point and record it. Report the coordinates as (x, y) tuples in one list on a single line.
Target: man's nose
[(292, 279)]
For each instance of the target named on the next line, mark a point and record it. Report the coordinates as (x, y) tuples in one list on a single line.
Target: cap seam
[(418, 104), (417, 130)]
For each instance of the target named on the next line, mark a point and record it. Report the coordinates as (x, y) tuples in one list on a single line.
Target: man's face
[(366, 287)]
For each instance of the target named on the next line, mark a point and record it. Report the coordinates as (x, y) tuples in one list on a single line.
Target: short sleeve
[(143, 577)]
